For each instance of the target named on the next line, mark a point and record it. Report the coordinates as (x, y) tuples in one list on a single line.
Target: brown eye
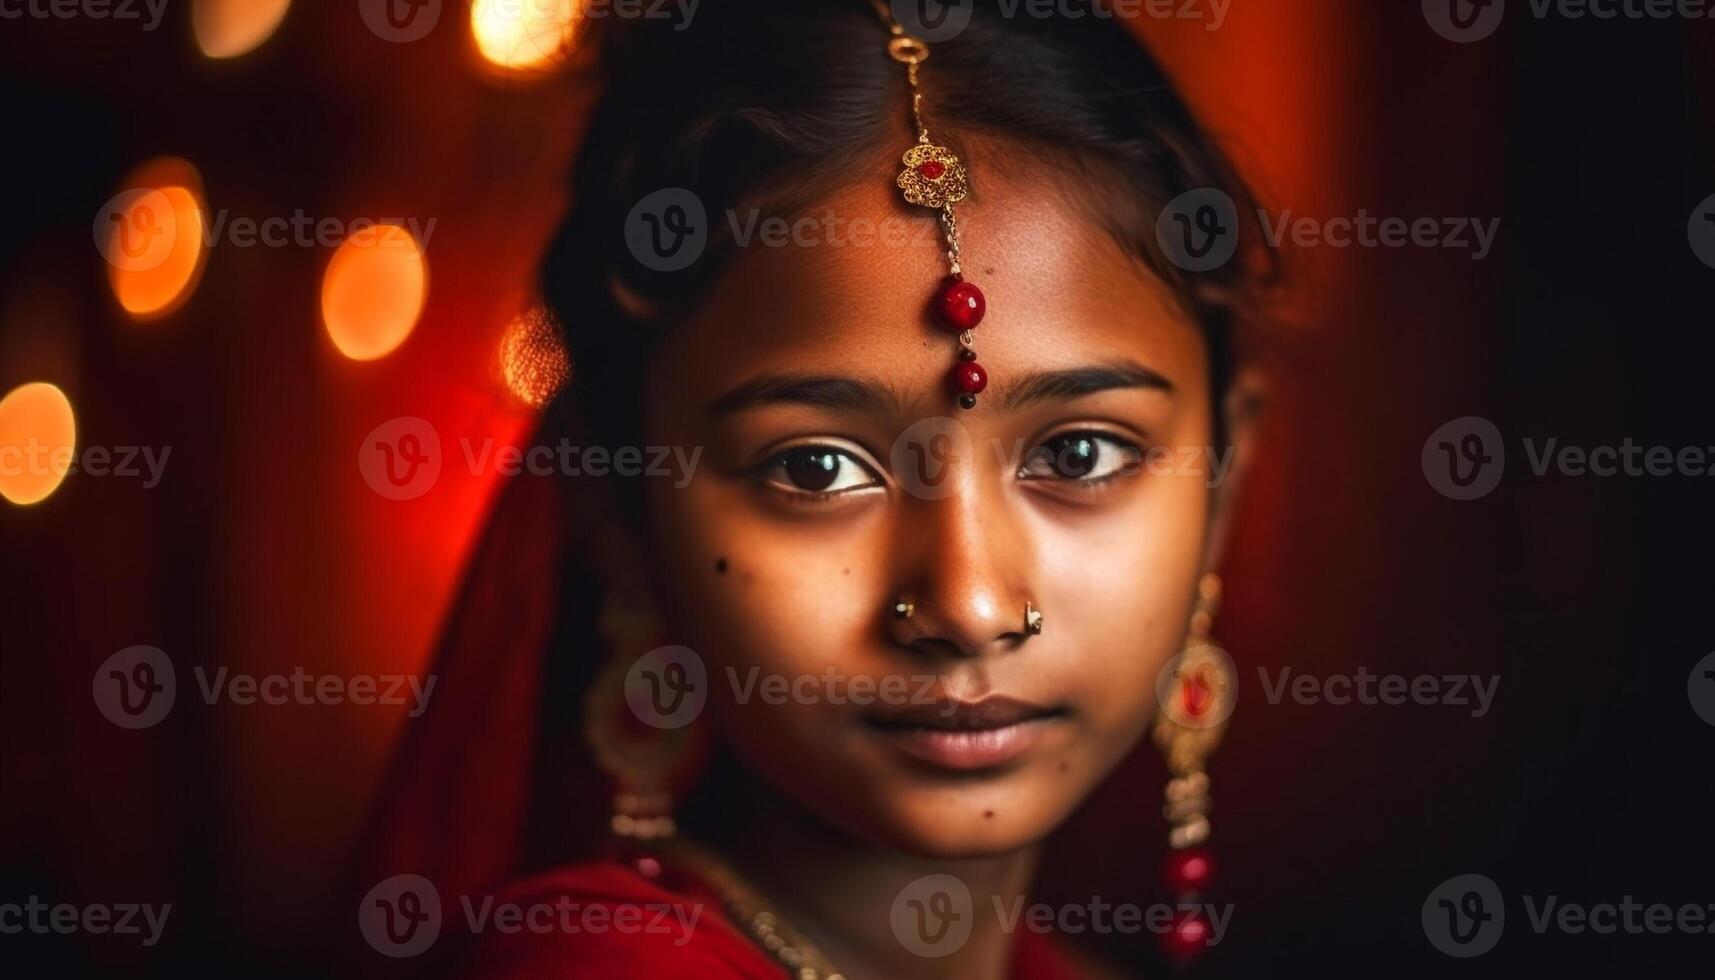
[(823, 470), (1079, 456)]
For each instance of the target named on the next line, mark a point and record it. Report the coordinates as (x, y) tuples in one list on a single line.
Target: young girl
[(956, 391)]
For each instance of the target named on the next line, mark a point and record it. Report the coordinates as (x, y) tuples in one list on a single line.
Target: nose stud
[(1032, 619), (903, 609)]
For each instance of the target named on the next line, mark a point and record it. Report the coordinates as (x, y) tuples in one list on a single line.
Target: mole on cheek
[(720, 566), (988, 814)]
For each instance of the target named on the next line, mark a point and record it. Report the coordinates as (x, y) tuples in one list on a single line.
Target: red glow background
[(264, 550)]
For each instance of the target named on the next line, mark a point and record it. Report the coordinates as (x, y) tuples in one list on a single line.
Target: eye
[(1085, 457), (818, 470)]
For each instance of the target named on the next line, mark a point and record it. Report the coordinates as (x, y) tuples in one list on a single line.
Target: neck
[(839, 889)]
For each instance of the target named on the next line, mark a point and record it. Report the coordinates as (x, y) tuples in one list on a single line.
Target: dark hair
[(771, 101)]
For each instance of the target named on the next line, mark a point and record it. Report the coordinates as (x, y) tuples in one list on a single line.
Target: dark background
[(1591, 779)]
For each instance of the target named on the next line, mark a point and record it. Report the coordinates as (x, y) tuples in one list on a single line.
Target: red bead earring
[(934, 177)]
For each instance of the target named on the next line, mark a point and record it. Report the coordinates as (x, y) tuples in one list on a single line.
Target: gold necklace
[(751, 912)]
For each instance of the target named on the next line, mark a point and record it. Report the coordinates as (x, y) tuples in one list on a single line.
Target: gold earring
[(1196, 693), (904, 609), (1032, 619), (642, 760)]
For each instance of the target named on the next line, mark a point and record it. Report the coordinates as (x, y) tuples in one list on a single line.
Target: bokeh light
[(229, 28), (533, 358), (151, 234), (374, 291), (523, 34), (38, 434)]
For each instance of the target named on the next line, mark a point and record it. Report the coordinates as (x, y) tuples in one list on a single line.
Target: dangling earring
[(1196, 693), (642, 759)]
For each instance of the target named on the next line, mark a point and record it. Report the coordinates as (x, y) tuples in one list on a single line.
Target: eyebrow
[(1041, 386), (817, 391), (852, 394)]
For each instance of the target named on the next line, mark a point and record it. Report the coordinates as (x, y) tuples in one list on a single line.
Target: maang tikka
[(935, 178)]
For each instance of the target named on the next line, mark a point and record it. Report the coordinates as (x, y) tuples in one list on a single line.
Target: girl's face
[(838, 474)]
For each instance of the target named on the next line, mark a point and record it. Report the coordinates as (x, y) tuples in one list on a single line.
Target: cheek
[(746, 591), (1122, 589)]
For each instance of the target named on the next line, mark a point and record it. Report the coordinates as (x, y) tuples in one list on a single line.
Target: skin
[(758, 573)]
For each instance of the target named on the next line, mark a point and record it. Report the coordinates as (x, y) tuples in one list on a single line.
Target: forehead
[(842, 286)]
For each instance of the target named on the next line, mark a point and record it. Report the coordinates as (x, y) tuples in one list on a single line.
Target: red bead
[(1189, 871), (968, 378), (931, 169), (649, 867), (959, 305), (1187, 938)]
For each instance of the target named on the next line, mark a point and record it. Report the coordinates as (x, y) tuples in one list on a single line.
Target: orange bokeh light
[(523, 34), (229, 28), (151, 234), (374, 291), (38, 434)]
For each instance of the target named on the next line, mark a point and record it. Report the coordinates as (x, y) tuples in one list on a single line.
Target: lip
[(964, 735)]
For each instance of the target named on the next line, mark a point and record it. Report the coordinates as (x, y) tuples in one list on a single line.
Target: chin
[(970, 820)]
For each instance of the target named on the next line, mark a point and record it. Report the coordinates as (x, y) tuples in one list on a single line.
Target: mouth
[(964, 736)]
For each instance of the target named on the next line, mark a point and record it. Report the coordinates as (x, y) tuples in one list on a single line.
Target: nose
[(965, 567)]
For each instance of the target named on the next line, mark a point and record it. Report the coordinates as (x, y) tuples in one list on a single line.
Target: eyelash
[(771, 471)]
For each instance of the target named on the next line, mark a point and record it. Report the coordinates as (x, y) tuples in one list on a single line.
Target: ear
[(1241, 412)]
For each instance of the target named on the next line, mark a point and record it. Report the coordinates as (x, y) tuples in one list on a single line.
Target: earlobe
[(1242, 410)]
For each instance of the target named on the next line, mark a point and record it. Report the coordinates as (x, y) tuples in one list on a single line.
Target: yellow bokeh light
[(38, 435), (533, 357), (523, 34), (374, 291), (151, 234), (229, 28)]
